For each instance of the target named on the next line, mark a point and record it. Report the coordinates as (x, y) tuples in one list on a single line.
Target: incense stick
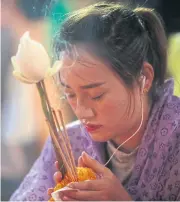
[(57, 145), (67, 150), (55, 130), (60, 140), (68, 143)]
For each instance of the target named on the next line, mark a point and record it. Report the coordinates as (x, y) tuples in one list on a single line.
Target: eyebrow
[(89, 86)]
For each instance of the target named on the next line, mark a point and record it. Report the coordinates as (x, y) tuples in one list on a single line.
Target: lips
[(92, 127)]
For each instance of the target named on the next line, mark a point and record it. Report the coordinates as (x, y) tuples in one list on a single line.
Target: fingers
[(82, 196), (50, 191), (56, 165), (65, 198), (95, 165), (80, 162), (57, 177), (88, 185)]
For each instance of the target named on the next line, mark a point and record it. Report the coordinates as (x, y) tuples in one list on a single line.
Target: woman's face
[(99, 97)]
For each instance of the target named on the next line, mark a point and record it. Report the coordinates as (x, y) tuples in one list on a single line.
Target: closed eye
[(98, 97), (71, 96)]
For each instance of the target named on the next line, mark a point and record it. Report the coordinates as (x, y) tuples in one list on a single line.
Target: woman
[(113, 74)]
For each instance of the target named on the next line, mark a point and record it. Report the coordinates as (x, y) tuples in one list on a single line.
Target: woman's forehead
[(84, 66), (80, 54)]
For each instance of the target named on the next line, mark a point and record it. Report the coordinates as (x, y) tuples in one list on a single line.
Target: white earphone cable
[(142, 117)]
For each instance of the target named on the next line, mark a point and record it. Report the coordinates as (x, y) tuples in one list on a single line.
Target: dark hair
[(122, 36)]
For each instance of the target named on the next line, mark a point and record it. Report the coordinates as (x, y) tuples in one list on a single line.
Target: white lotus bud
[(32, 63)]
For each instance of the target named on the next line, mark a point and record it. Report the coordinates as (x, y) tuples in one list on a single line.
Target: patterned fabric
[(156, 173), (40, 178)]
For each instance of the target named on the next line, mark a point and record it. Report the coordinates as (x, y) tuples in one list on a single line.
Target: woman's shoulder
[(168, 121), (165, 117), (171, 117)]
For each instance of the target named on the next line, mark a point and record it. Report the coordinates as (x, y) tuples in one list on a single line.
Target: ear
[(148, 73)]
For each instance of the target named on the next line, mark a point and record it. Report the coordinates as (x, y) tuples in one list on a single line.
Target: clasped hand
[(106, 188)]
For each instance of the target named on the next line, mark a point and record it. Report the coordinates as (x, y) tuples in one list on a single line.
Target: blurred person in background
[(23, 126), (21, 130), (171, 15), (117, 88), (24, 129)]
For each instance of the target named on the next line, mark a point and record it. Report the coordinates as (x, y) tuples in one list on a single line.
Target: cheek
[(112, 109), (115, 103)]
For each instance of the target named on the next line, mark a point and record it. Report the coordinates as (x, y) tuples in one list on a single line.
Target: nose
[(83, 111)]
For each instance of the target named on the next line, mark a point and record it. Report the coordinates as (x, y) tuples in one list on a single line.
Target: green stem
[(42, 97)]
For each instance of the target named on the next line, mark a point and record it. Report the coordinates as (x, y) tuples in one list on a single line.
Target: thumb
[(95, 165)]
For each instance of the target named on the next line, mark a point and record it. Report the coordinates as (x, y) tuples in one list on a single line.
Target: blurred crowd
[(23, 129)]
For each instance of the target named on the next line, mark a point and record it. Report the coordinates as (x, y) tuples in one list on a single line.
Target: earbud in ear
[(143, 84)]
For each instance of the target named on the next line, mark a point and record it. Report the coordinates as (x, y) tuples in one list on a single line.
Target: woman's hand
[(57, 178), (106, 188)]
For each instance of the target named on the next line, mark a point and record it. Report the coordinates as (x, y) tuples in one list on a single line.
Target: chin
[(99, 137)]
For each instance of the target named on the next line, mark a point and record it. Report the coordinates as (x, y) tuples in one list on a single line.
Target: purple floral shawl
[(156, 173)]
